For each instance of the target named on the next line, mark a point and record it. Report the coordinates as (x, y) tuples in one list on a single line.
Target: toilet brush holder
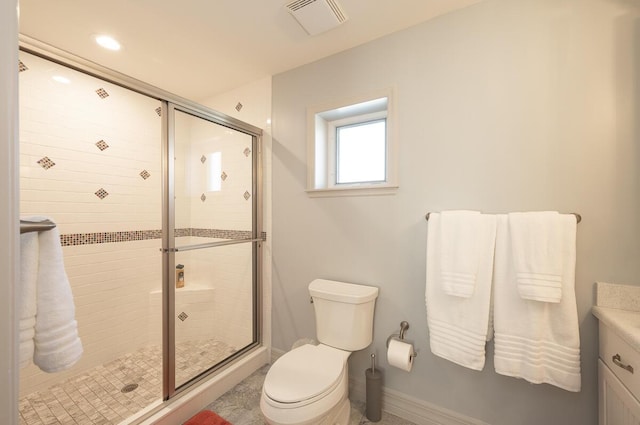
[(374, 392)]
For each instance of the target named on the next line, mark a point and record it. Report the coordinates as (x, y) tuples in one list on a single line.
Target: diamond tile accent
[(246, 152), (22, 67), (183, 316), (159, 111), (247, 195), (239, 106), (102, 145), (203, 159), (145, 174), (203, 198), (46, 163), (101, 193), (102, 93), (223, 176)]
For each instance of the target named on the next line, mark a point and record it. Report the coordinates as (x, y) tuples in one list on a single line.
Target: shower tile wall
[(227, 270), (100, 138), (256, 100)]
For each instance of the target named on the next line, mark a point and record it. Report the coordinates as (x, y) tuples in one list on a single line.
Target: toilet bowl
[(309, 385)]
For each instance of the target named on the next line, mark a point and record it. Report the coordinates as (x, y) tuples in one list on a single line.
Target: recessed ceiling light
[(61, 79), (108, 42)]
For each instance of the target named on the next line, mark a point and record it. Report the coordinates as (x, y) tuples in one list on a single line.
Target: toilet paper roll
[(400, 355)]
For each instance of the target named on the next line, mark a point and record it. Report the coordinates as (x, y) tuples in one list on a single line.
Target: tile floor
[(96, 397), (241, 405)]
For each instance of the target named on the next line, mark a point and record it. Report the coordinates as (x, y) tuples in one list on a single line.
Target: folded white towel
[(29, 249), (459, 251), (536, 341), (57, 344), (538, 254), (458, 326)]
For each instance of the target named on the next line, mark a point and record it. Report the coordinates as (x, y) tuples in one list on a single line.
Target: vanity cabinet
[(618, 380)]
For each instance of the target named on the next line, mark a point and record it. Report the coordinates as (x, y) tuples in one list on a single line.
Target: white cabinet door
[(616, 404)]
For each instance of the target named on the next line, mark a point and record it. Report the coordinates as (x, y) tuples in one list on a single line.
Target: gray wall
[(503, 106)]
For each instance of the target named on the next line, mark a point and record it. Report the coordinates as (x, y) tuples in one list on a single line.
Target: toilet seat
[(304, 375)]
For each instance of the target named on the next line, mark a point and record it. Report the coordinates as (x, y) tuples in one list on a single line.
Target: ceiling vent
[(317, 16)]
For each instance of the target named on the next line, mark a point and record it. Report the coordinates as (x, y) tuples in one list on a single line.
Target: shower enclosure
[(158, 203)]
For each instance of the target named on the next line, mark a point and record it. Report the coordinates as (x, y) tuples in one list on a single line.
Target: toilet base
[(343, 413), (339, 415)]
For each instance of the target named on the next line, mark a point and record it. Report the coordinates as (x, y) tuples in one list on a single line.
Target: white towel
[(29, 249), (538, 250), (459, 251), (57, 345), (536, 341), (458, 326)]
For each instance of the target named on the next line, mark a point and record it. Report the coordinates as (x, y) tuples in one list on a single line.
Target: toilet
[(309, 385)]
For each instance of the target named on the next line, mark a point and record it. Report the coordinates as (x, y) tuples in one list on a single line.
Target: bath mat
[(207, 417)]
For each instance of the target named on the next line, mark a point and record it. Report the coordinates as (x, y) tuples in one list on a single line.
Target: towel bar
[(36, 226), (578, 217)]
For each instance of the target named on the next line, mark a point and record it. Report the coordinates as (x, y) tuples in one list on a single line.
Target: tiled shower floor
[(95, 397)]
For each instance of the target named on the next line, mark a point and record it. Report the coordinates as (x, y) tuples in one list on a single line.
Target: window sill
[(367, 190)]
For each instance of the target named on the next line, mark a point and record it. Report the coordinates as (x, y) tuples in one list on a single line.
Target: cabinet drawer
[(617, 354), (616, 405)]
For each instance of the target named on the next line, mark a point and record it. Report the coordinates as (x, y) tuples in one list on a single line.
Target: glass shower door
[(212, 241)]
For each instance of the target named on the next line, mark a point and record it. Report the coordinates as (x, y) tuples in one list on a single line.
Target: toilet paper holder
[(404, 325)]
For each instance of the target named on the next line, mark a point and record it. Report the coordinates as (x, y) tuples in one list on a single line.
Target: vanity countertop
[(618, 307), (624, 323)]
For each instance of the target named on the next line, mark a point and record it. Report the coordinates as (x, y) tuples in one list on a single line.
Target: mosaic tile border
[(220, 233), (74, 239)]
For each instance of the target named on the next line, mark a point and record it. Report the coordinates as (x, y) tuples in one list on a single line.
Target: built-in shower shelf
[(195, 309)]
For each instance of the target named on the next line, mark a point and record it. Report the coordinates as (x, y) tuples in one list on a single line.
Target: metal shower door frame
[(169, 247)]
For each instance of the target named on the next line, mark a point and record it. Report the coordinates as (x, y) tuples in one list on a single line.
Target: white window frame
[(322, 121)]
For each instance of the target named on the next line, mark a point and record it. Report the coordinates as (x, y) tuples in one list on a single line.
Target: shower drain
[(128, 388)]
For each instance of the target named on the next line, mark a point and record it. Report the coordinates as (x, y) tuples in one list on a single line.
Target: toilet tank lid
[(342, 291)]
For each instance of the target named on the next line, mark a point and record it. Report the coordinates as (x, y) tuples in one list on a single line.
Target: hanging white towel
[(536, 341), (57, 345), (29, 249), (538, 249), (458, 326), (459, 251)]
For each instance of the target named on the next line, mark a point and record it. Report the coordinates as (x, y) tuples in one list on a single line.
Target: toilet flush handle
[(310, 300)]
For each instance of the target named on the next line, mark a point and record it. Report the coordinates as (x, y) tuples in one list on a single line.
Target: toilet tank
[(344, 313)]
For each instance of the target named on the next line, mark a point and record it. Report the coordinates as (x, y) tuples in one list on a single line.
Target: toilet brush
[(374, 392)]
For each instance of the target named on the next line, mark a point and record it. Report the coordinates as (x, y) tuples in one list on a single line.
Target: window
[(352, 148), (361, 152)]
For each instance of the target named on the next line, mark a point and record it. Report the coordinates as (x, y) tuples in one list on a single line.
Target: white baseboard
[(404, 406), (276, 354)]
